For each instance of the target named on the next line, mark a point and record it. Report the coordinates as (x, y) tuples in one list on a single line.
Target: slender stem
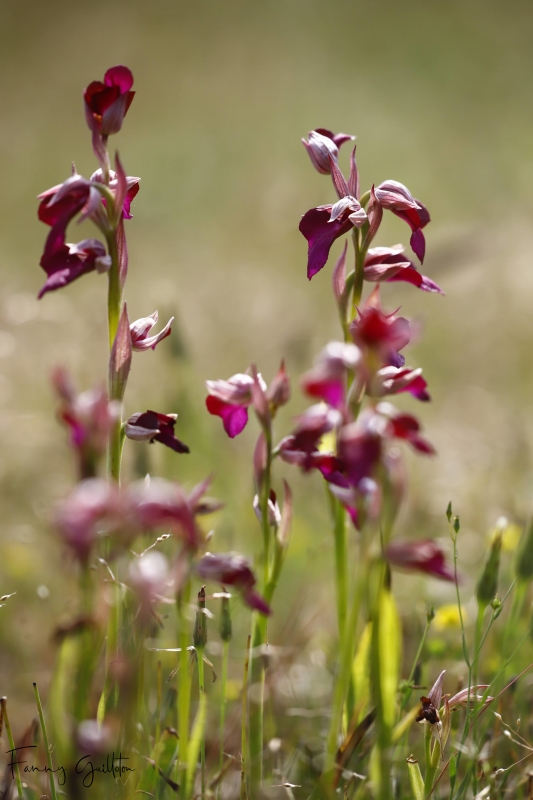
[(46, 743), (408, 693), (359, 271), (341, 563), (201, 689), (244, 737), (223, 681), (159, 699), (114, 295), (4, 716), (184, 691), (260, 632)]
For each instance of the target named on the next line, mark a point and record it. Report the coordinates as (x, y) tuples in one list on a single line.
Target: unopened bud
[(199, 635), (430, 614), (449, 512), (456, 524), (487, 585), (497, 607), (120, 360), (524, 558), (226, 630)]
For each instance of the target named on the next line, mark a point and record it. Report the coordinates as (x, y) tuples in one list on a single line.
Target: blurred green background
[(439, 95)]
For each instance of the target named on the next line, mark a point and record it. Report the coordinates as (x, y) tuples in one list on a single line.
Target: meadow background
[(439, 95)]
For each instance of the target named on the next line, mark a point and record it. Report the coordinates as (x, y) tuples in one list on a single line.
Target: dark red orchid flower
[(107, 102), (151, 426), (391, 380), (232, 569), (423, 555), (389, 264), (397, 198), (71, 261), (383, 334)]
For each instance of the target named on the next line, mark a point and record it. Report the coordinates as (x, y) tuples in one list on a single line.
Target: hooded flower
[(140, 340), (321, 145), (151, 426), (107, 102), (323, 225), (232, 569), (397, 198), (423, 555), (124, 187), (388, 265), (70, 261)]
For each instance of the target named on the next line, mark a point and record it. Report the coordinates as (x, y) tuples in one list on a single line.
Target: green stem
[(184, 691), (244, 737), (359, 271), (114, 294), (201, 689), (4, 716), (341, 563), (46, 743), (260, 632), (409, 692), (223, 681)]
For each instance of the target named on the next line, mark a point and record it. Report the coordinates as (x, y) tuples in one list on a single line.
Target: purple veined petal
[(375, 216), (339, 181), (394, 196), (320, 234), (353, 180), (347, 203), (234, 417), (338, 138), (472, 693), (320, 148), (141, 327), (358, 218), (403, 271), (435, 695)]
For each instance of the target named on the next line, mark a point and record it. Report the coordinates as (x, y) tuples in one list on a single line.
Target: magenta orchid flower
[(230, 399), (322, 144), (423, 555), (327, 379), (389, 265), (383, 334), (151, 426), (140, 340), (107, 102), (232, 569), (301, 447), (397, 198), (406, 427), (394, 380)]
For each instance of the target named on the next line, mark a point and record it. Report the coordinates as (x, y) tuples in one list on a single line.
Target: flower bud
[(319, 149), (430, 613), (487, 585), (199, 635), (120, 360), (226, 630)]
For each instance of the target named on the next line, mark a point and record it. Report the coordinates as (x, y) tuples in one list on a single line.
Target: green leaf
[(387, 641), (361, 672)]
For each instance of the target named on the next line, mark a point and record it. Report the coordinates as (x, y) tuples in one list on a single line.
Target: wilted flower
[(389, 264), (151, 426), (107, 102), (321, 145), (89, 417), (381, 334), (141, 328), (423, 555), (397, 198), (232, 569)]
